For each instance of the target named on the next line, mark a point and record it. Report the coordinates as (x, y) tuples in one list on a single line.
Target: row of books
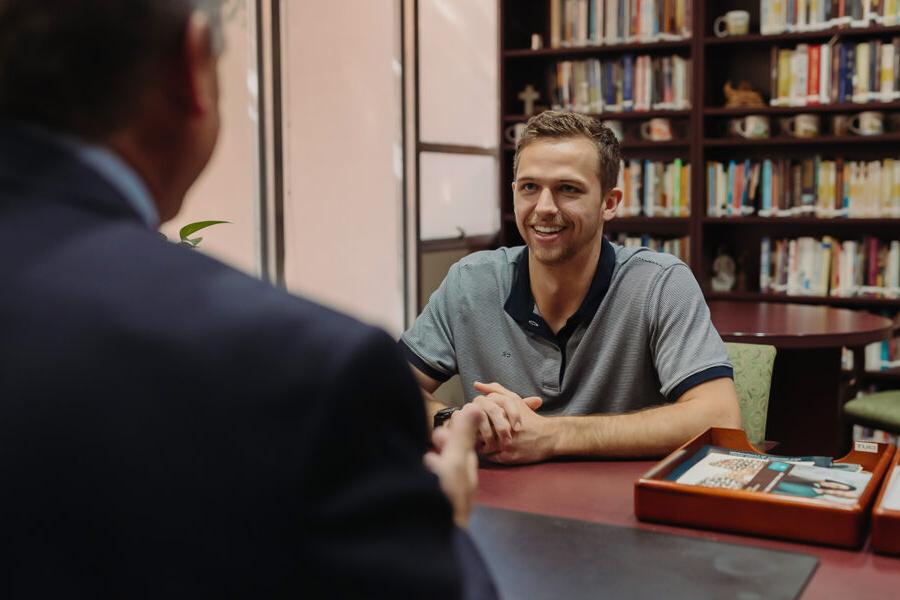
[(877, 356), (626, 83), (835, 73), (808, 266), (808, 187), (654, 188), (780, 16), (595, 22), (678, 247), (883, 355)]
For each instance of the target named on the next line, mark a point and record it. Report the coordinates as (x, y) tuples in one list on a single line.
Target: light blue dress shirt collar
[(115, 171)]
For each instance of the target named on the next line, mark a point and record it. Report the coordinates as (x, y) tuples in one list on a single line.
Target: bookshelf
[(701, 131)]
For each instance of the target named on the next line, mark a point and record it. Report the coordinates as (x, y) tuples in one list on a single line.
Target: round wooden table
[(808, 386)]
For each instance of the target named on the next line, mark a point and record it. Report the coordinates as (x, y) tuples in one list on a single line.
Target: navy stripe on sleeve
[(698, 378), (421, 365)]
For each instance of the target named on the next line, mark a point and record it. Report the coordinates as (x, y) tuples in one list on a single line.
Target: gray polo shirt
[(641, 337)]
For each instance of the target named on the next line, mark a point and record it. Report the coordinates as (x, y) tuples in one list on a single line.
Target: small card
[(866, 447)]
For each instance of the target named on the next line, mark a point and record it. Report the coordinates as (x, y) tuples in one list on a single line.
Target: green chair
[(753, 364), (880, 410)]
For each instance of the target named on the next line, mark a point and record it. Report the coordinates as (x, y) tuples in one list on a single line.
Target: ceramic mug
[(616, 128), (734, 22), (514, 132), (840, 125), (869, 122), (657, 130), (752, 126), (801, 126)]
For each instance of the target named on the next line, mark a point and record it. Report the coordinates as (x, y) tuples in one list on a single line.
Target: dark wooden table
[(603, 492), (808, 386)]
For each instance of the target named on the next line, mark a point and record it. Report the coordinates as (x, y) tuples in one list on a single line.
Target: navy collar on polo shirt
[(520, 302)]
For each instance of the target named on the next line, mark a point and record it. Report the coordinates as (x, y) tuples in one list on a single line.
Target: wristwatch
[(443, 415)]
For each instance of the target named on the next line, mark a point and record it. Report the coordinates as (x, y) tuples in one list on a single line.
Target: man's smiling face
[(558, 198)]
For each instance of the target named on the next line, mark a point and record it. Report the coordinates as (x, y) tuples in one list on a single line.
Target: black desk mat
[(535, 556)]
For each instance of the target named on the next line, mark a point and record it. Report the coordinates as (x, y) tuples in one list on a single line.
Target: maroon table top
[(603, 492), (786, 325)]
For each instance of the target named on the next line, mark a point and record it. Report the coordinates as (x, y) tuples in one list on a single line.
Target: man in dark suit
[(169, 426)]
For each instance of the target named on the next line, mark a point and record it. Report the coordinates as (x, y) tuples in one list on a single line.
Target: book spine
[(849, 66), (887, 76), (729, 200), (812, 88), (676, 188), (628, 83), (555, 23), (799, 70), (825, 74)]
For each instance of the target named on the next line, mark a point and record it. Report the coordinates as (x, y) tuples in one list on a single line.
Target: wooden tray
[(755, 513), (886, 523)]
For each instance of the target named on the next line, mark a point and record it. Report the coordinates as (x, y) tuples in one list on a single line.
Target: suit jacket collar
[(39, 169)]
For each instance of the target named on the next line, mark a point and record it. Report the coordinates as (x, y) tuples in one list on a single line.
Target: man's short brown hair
[(554, 124)]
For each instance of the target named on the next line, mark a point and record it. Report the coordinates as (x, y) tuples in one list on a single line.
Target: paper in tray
[(796, 503)]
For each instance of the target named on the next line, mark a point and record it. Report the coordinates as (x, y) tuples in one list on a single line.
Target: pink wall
[(227, 190), (343, 156)]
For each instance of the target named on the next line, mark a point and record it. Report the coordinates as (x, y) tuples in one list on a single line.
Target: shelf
[(634, 145), (671, 225), (609, 116), (801, 36), (644, 47), (819, 108), (886, 375), (793, 141), (827, 300), (674, 226), (847, 222)]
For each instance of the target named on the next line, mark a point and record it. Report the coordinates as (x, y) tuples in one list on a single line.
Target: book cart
[(756, 513), (886, 521)]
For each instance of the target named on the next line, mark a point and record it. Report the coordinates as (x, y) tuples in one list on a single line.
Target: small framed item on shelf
[(886, 514), (720, 481)]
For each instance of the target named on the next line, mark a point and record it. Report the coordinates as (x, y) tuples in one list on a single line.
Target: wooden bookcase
[(714, 61)]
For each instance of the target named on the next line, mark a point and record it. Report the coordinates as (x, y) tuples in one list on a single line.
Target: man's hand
[(454, 461), (512, 432)]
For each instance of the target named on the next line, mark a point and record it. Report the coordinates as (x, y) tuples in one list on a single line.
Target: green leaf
[(190, 228)]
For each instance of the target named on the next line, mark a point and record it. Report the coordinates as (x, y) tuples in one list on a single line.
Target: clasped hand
[(511, 432)]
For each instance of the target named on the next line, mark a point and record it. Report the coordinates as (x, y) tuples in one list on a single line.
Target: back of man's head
[(81, 66)]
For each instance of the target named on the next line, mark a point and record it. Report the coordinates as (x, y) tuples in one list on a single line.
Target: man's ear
[(200, 77), (611, 202)]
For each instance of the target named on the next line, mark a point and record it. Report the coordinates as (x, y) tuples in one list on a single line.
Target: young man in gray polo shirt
[(570, 345)]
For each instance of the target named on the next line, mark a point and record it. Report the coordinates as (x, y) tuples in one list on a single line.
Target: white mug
[(801, 126), (869, 122), (514, 132), (753, 127), (616, 128), (736, 22), (657, 130)]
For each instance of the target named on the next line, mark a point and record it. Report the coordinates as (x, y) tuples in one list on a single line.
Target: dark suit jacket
[(169, 426)]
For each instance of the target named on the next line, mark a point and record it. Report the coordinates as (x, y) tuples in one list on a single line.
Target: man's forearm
[(652, 432)]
